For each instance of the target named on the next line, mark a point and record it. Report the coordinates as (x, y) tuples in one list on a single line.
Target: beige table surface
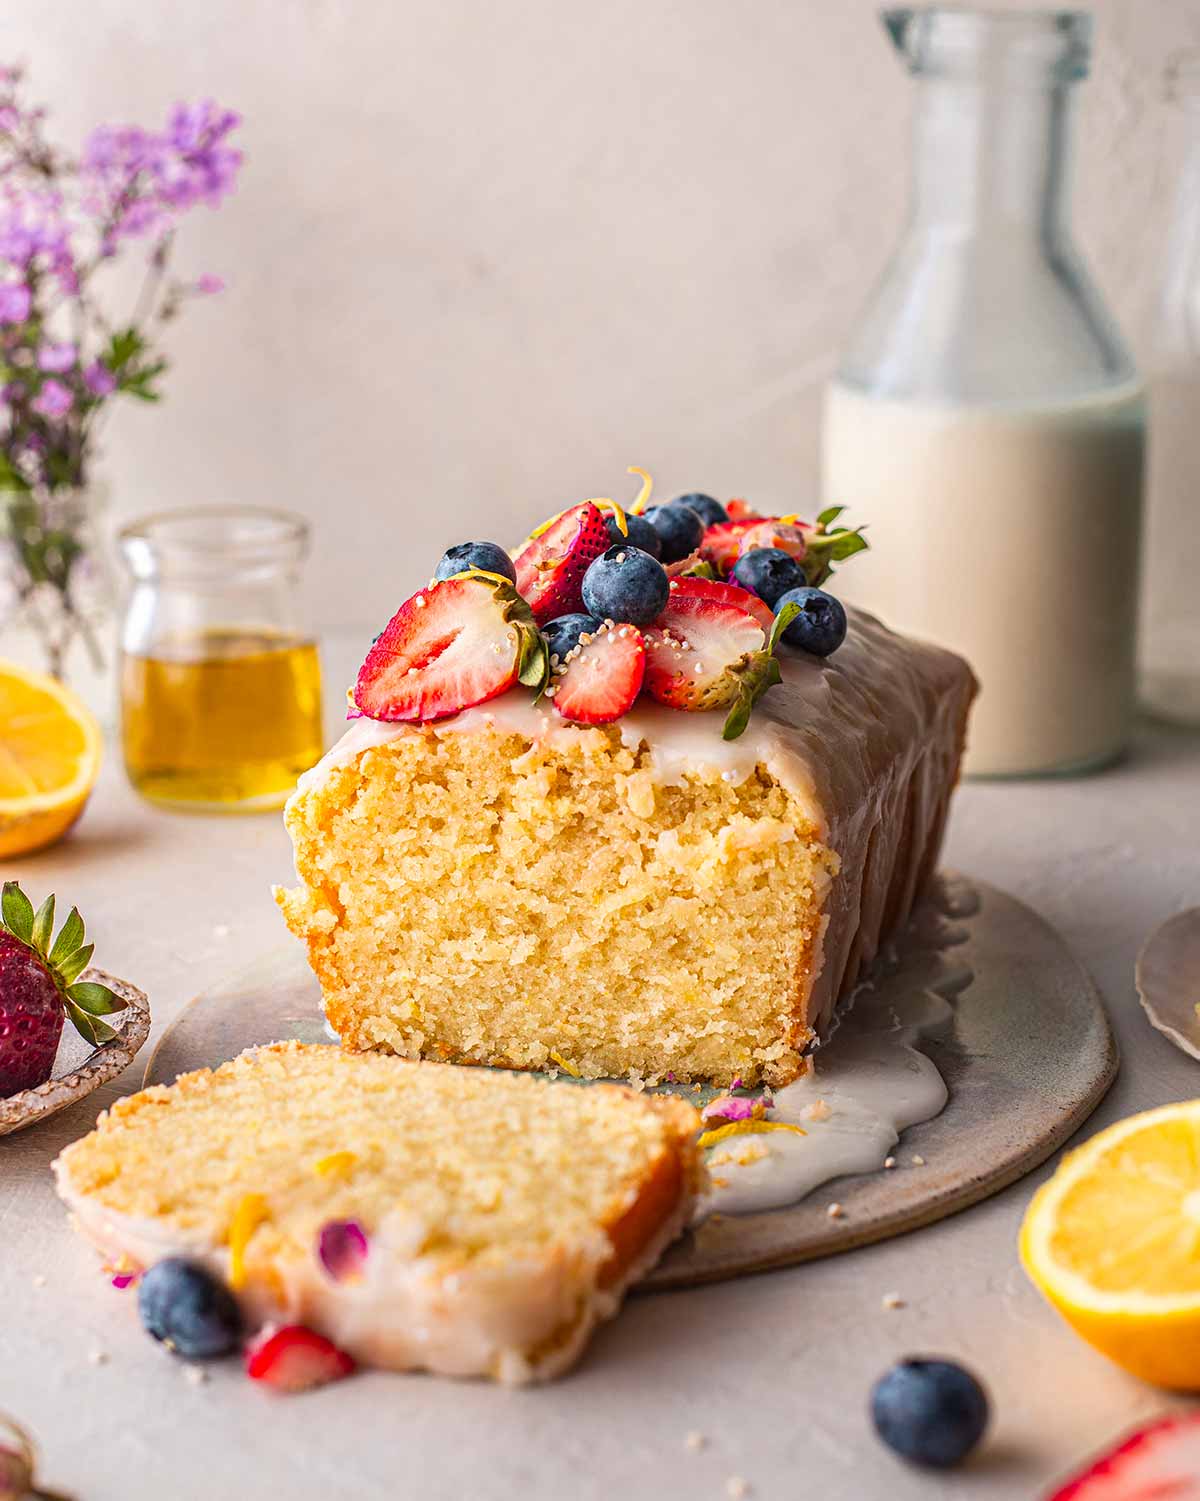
[(774, 1369)]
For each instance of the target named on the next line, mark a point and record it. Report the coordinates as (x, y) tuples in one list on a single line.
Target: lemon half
[(50, 748), (1113, 1241)]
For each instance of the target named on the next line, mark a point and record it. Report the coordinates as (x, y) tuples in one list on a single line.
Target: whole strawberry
[(39, 982)]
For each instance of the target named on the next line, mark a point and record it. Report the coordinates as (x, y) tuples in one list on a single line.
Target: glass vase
[(58, 590)]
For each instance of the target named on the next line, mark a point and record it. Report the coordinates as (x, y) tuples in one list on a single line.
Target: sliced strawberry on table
[(295, 1359), (1160, 1460), (551, 564), (725, 593), (454, 644), (709, 653), (602, 677)]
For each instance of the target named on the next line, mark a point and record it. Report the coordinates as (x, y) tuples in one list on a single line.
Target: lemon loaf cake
[(629, 895), (455, 1220)]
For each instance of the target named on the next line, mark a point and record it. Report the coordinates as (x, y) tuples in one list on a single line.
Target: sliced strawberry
[(787, 536), (704, 653), (295, 1359), (456, 643), (551, 564), (719, 545), (602, 677), (724, 593), (1159, 1460), (742, 510)]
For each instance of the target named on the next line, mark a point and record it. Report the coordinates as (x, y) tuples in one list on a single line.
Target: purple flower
[(99, 379), (56, 359), (15, 302), (207, 284), (139, 182), (54, 400), (13, 391)]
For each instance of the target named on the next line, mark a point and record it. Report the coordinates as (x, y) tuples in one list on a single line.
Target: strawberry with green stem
[(829, 544), (705, 652), (39, 983)]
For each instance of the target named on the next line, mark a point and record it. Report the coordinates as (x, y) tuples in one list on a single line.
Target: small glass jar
[(220, 687)]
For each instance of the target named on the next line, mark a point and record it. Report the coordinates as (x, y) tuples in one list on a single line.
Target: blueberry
[(931, 1412), (562, 635), (640, 534), (820, 627), (710, 511), (768, 572), (626, 583), (486, 555), (679, 530), (185, 1306)]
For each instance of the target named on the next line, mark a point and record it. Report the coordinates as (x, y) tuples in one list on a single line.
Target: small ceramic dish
[(1168, 979), (78, 1067)]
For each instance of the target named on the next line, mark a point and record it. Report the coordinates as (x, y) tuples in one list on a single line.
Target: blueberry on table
[(710, 511), (679, 530), (638, 533), (820, 627), (626, 584), (489, 556), (768, 572), (189, 1309), (563, 635), (931, 1412)]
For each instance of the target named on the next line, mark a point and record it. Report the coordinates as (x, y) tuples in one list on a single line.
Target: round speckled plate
[(1027, 1058), (1168, 979), (78, 1067)]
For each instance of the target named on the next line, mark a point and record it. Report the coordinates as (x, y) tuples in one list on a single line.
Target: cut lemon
[(50, 747), (1113, 1241)]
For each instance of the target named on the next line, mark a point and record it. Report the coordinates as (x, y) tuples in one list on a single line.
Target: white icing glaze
[(870, 1078), (520, 1321)]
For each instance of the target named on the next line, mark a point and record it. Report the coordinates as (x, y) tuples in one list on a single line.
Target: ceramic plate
[(1168, 979), (1027, 1055), (78, 1067)]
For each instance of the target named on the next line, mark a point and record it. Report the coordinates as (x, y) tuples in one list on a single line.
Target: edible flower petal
[(736, 1108), (342, 1249)]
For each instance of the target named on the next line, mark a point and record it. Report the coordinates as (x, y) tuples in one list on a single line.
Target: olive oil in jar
[(221, 718)]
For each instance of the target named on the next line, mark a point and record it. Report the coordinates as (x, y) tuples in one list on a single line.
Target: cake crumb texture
[(483, 899)]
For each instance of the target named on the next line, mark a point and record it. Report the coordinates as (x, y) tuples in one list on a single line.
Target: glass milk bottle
[(987, 421), (1170, 637)]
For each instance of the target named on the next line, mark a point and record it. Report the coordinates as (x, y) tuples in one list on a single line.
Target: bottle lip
[(1052, 46), (213, 541)]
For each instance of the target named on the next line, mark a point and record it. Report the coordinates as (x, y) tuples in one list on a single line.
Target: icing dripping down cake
[(638, 899)]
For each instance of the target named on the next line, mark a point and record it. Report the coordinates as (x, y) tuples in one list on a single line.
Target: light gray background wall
[(486, 255)]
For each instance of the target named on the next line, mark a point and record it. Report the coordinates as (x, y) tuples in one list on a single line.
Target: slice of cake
[(454, 1220)]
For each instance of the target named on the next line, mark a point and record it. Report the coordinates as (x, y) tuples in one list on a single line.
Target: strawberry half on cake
[(620, 814)]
